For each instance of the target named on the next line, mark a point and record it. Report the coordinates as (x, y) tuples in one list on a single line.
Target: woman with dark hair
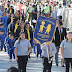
[(66, 51), (29, 34), (22, 50), (21, 28), (10, 19), (14, 25)]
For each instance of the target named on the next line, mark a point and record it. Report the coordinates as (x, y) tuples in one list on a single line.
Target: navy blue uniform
[(3, 36), (39, 51), (11, 48)]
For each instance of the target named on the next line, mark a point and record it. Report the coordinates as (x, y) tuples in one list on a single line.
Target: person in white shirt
[(48, 51), (59, 13)]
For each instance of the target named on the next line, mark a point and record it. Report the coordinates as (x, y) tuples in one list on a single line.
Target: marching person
[(22, 50), (48, 49), (60, 35), (66, 51)]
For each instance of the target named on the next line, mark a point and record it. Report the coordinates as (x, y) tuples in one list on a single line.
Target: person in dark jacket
[(10, 19), (21, 17), (14, 26), (29, 34), (11, 10), (60, 34), (21, 28)]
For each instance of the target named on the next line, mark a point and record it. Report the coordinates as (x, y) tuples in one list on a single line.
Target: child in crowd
[(11, 41), (2, 39), (2, 27), (37, 45)]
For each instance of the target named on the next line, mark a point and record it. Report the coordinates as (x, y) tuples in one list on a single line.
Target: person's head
[(69, 35), (7, 14), (27, 25), (60, 24), (22, 24), (16, 20), (20, 14), (22, 35), (11, 36), (11, 7), (13, 69), (12, 15), (1, 32), (1, 25)]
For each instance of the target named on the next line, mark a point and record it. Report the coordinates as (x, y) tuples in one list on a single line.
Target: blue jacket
[(10, 42), (2, 18), (5, 20), (3, 37)]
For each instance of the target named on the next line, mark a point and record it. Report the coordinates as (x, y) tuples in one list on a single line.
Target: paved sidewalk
[(33, 65)]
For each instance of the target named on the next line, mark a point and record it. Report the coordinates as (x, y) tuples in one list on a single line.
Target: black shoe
[(56, 64), (62, 66)]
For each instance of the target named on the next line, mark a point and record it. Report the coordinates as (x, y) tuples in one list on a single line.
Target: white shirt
[(59, 13)]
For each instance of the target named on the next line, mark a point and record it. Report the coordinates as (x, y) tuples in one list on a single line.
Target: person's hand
[(16, 58), (62, 57), (49, 52), (28, 53)]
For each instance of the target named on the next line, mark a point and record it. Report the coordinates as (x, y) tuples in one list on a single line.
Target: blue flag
[(45, 29)]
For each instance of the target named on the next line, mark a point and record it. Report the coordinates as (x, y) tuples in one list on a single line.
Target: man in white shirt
[(59, 13)]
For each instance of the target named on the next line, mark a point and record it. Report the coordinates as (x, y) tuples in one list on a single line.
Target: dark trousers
[(60, 17), (12, 53), (22, 62), (68, 61), (46, 66)]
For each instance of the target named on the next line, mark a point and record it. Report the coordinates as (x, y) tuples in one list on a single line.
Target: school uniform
[(39, 51), (5, 21), (11, 48), (2, 41), (6, 43)]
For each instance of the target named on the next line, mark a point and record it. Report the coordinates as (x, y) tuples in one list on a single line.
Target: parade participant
[(2, 27), (3, 36), (6, 41), (29, 33), (30, 9), (5, 20), (47, 49), (10, 42), (14, 26), (59, 13), (11, 10), (60, 34), (21, 17), (2, 17), (46, 10), (37, 45), (22, 50), (66, 51), (21, 28), (10, 19)]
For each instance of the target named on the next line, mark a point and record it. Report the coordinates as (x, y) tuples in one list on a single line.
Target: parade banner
[(45, 29)]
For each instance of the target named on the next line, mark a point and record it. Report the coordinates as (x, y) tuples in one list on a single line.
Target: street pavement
[(34, 64)]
